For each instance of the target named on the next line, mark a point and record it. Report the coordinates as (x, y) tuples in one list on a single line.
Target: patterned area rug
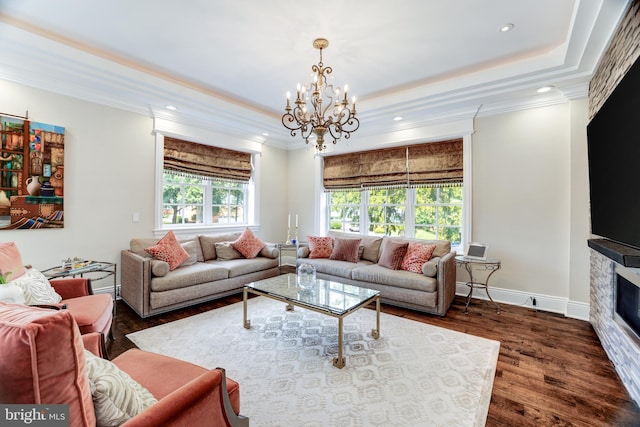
[(414, 375)]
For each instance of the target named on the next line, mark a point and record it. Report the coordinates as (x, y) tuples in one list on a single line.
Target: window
[(344, 211), (200, 201), (423, 212), (438, 213), (386, 211), (412, 191)]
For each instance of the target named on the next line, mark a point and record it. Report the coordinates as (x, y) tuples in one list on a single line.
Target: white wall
[(109, 174), (530, 202), (530, 186)]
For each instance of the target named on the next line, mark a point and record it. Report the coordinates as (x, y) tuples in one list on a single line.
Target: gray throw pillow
[(192, 250), (159, 268), (224, 250), (430, 268)]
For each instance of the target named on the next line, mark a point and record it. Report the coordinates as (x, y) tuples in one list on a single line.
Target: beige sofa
[(431, 292), (214, 270)]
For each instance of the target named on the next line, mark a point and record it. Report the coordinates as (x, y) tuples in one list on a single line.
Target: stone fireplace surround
[(622, 350)]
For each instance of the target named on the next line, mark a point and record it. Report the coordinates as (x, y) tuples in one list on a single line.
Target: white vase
[(11, 294)]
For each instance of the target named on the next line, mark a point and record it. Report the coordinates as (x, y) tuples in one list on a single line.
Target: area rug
[(414, 375)]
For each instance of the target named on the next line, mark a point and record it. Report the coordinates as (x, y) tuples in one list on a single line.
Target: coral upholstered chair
[(93, 313), (43, 361)]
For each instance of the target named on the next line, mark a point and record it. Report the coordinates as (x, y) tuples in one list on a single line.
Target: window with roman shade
[(204, 185), (411, 191), (190, 158), (431, 164)]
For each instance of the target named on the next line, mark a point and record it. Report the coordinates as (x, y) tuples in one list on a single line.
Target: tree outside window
[(423, 212), (386, 211), (438, 213), (345, 211), (185, 199)]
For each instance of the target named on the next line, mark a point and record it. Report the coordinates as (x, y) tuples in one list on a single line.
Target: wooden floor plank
[(552, 371)]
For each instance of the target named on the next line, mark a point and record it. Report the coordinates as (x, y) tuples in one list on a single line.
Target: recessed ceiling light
[(171, 107), (398, 118), (544, 89), (506, 27), (265, 133)]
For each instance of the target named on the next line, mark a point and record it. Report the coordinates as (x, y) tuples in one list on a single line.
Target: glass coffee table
[(323, 296)]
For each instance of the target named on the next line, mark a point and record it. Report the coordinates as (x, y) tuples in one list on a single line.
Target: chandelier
[(318, 108)]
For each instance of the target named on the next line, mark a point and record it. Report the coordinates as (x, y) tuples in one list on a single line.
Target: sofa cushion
[(370, 245), (138, 245), (332, 267), (240, 267), (159, 268), (392, 254), (162, 375), (116, 396), (92, 313), (191, 248), (170, 250), (248, 244), (270, 251), (10, 261), (375, 273), (417, 254), (42, 361), (430, 268), (208, 242), (200, 272), (320, 247), (345, 249), (224, 250)]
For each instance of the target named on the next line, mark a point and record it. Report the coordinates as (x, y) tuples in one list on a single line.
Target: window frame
[(189, 230), (409, 213)]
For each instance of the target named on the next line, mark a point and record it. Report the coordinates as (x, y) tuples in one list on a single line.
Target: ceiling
[(227, 65)]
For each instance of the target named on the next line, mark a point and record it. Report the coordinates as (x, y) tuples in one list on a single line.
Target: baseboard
[(107, 290), (573, 309)]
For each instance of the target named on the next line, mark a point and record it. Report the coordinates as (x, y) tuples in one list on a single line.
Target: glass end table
[(489, 264)]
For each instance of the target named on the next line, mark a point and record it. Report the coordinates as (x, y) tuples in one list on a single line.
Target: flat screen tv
[(614, 163)]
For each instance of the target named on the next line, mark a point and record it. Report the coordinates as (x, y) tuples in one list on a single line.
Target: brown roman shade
[(434, 163), (204, 160)]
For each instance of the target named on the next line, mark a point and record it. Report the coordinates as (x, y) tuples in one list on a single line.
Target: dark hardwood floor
[(552, 371)]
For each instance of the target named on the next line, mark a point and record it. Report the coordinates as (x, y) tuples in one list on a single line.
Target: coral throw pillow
[(393, 254), (248, 244), (168, 249), (320, 247), (346, 249), (417, 254), (10, 261)]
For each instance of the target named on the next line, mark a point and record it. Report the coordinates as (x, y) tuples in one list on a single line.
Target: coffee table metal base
[(340, 360)]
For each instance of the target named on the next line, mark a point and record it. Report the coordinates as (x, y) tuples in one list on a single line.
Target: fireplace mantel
[(622, 350)]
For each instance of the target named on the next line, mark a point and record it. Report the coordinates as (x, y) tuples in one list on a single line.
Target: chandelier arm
[(326, 112)]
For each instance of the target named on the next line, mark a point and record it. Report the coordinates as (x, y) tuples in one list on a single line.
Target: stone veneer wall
[(621, 349), (616, 61)]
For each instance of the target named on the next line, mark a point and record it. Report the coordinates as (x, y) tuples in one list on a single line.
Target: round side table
[(490, 264)]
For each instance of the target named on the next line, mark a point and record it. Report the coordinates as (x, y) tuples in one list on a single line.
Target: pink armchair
[(92, 312), (42, 361)]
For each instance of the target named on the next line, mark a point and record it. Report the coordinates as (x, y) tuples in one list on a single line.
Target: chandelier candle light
[(336, 116)]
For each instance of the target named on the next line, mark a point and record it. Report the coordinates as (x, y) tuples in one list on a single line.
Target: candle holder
[(288, 242), (295, 237)]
